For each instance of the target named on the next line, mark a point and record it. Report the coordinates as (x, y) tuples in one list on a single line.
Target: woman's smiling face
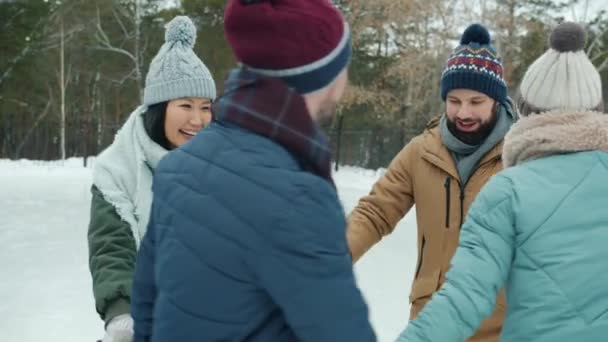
[(185, 117)]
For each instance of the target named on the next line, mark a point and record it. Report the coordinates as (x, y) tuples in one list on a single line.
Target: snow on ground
[(45, 286)]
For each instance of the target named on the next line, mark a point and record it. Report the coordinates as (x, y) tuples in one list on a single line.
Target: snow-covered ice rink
[(45, 286)]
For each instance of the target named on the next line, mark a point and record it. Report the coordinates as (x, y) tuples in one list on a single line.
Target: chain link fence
[(368, 148)]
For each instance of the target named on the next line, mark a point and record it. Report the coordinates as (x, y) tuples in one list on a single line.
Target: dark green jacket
[(112, 254)]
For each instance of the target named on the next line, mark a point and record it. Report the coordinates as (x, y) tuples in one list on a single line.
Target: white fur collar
[(554, 132)]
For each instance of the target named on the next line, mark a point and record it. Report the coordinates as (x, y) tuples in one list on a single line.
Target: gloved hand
[(119, 329)]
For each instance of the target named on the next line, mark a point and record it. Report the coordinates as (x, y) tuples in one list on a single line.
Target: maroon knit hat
[(306, 43)]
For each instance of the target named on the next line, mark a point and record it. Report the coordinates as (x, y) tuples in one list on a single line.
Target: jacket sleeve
[(307, 271), (111, 258), (377, 214), (478, 270), (144, 285)]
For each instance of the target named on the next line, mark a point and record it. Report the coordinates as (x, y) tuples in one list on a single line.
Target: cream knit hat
[(563, 78)]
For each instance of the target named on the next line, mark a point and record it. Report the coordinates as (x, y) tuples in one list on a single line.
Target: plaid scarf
[(268, 107)]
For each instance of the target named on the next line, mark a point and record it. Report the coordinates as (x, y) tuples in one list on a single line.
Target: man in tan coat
[(442, 170)]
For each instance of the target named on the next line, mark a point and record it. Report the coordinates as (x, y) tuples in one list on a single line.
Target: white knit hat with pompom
[(176, 71), (563, 78)]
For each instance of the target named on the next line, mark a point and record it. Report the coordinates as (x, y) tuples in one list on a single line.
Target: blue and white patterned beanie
[(475, 65), (176, 71)]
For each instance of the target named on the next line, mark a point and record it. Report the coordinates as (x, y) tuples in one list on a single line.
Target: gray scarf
[(466, 156)]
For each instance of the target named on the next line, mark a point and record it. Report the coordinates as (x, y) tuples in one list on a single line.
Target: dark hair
[(154, 123)]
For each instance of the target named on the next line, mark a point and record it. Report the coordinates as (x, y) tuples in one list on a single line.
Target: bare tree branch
[(598, 40), (100, 33), (130, 75), (8, 22), (37, 122), (22, 54), (14, 62), (604, 64), (119, 21), (54, 40), (114, 49), (106, 45)]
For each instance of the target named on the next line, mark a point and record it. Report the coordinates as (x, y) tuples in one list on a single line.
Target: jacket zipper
[(421, 257), (447, 185), (461, 207)]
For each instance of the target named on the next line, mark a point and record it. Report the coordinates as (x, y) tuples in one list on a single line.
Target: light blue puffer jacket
[(540, 229)]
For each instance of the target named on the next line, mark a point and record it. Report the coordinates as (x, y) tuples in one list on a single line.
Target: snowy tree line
[(72, 70)]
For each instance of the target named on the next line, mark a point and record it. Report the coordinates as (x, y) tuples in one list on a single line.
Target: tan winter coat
[(425, 174)]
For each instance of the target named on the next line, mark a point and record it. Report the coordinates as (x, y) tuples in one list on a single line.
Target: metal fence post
[(338, 140)]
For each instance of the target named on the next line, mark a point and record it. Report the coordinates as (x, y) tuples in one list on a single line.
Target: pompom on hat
[(176, 71), (475, 65), (563, 78), (305, 43)]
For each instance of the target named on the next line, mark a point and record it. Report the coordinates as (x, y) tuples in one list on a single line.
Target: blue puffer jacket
[(541, 230), (244, 245)]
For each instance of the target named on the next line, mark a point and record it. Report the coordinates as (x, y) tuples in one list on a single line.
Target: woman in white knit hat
[(178, 93), (540, 227)]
